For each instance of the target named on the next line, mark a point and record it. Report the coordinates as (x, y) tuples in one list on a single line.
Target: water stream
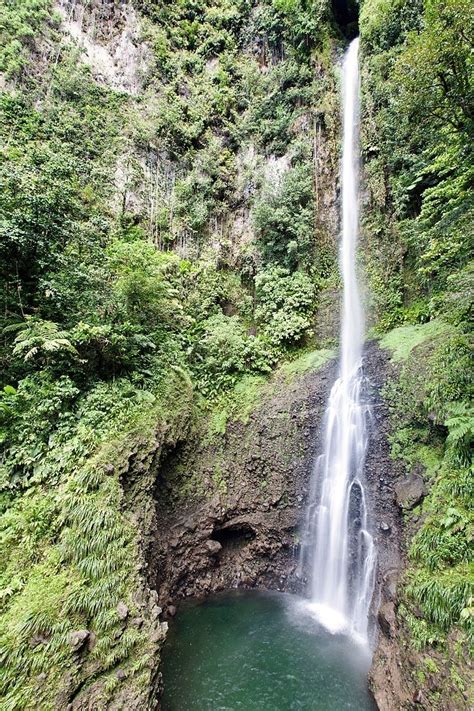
[(337, 547)]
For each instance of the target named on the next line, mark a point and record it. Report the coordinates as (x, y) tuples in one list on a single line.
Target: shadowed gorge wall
[(346, 15)]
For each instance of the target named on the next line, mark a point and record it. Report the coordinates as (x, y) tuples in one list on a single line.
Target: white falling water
[(338, 549)]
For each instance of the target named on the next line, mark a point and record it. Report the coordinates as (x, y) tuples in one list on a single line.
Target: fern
[(42, 339), (460, 424)]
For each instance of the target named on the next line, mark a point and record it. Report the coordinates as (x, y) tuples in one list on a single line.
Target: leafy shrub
[(208, 290), (224, 352), (28, 417), (460, 424), (285, 304), (108, 350), (142, 284), (284, 219), (41, 341), (20, 20), (385, 23)]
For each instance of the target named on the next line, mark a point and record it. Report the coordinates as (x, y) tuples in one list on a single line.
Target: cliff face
[(228, 512)]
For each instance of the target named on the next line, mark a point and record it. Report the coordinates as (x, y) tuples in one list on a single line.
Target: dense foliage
[(143, 268), (158, 248), (418, 105), (418, 128)]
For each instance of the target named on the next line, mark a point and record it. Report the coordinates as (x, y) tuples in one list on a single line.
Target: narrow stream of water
[(337, 547), (260, 652)]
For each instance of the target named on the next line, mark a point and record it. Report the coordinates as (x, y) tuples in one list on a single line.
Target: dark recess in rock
[(234, 534), (346, 15)]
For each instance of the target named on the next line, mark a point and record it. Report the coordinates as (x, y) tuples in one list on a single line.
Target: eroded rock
[(212, 547), (78, 639), (122, 611), (387, 619)]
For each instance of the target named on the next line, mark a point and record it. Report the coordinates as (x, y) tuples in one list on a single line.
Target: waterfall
[(337, 547)]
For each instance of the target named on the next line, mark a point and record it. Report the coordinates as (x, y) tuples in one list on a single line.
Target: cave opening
[(346, 16), (234, 534)]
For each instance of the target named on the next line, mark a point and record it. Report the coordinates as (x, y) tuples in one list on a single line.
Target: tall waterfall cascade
[(337, 547)]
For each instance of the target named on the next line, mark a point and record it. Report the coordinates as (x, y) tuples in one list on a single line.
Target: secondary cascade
[(337, 547)]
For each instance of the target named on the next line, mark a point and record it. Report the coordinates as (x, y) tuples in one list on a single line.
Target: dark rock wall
[(242, 528), (382, 473)]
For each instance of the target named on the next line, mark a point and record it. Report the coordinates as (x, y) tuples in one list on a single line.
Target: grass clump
[(307, 362), (402, 340)]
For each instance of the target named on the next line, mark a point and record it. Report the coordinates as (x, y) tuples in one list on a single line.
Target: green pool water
[(260, 652)]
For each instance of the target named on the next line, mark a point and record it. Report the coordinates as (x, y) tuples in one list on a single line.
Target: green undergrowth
[(402, 340), (70, 555), (236, 405), (433, 429), (307, 362)]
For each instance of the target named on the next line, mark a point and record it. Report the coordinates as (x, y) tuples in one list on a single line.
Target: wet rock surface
[(382, 475), (410, 491), (387, 679)]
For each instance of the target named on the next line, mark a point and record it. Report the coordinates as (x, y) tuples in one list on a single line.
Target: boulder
[(410, 491), (390, 580), (212, 547), (387, 619), (419, 698), (122, 611), (78, 639), (155, 612)]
